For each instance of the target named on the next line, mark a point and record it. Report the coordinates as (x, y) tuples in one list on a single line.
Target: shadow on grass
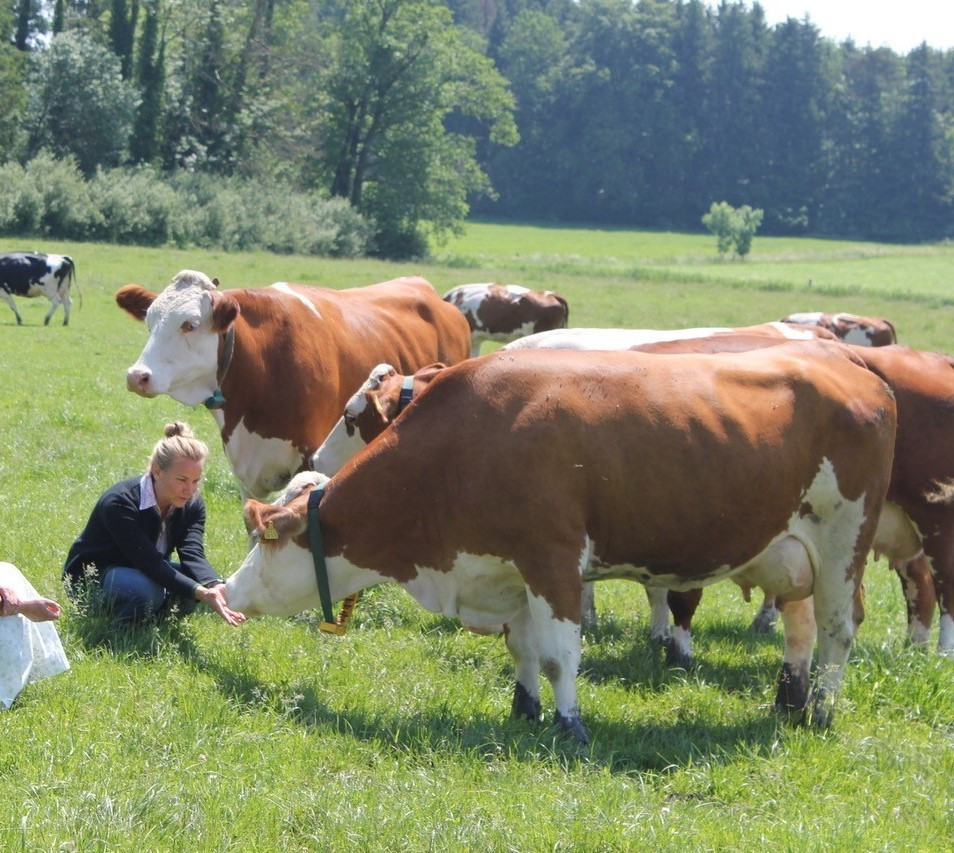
[(621, 651), (616, 746)]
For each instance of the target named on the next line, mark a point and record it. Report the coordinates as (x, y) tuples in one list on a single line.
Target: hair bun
[(178, 428)]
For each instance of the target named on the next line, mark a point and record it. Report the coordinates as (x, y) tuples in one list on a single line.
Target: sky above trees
[(900, 26)]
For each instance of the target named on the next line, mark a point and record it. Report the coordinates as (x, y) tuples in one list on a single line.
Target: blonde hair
[(179, 442)]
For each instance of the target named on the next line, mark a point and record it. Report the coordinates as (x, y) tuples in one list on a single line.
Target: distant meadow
[(397, 736)]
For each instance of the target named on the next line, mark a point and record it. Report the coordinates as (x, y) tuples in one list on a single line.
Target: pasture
[(272, 736)]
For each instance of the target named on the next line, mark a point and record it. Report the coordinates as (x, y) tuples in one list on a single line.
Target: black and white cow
[(33, 274)]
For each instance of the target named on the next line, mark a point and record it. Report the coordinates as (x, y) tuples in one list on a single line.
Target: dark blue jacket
[(118, 533)]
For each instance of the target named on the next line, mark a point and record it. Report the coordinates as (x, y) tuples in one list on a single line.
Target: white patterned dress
[(29, 650)]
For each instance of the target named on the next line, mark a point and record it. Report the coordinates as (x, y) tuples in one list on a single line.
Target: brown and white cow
[(916, 531), (852, 329), (504, 312), (382, 397), (514, 475), (276, 365)]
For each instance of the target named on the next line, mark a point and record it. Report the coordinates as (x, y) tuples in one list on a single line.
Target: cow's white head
[(277, 576), (185, 321), (345, 438)]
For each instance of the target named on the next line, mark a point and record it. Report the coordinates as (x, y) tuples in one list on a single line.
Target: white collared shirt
[(147, 499)]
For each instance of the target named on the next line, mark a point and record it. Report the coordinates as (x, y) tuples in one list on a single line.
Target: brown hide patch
[(135, 300), (923, 468), (224, 311), (500, 312)]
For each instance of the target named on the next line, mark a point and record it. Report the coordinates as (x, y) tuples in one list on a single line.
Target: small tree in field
[(733, 226)]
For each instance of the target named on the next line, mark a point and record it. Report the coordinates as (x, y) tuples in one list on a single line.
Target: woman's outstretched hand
[(215, 598)]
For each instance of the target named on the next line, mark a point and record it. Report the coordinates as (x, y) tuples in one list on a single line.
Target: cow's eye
[(189, 326)]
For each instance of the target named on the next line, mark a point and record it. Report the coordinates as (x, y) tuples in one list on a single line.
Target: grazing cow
[(33, 274), (504, 312), (374, 405), (515, 474), (852, 329), (276, 365), (916, 531)]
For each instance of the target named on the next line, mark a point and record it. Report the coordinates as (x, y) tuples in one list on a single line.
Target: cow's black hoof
[(792, 693), (675, 656), (573, 726), (524, 705)]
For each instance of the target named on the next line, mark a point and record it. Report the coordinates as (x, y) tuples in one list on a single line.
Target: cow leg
[(945, 596), (917, 586), (798, 620), (54, 304), (767, 617), (521, 643), (13, 305), (588, 606), (683, 605), (67, 303), (537, 640), (658, 615), (839, 610)]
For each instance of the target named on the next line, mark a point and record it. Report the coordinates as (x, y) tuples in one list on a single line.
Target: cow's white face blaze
[(181, 356), (274, 581), (344, 440)]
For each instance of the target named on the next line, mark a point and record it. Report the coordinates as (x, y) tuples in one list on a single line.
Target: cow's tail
[(566, 310), (71, 279)]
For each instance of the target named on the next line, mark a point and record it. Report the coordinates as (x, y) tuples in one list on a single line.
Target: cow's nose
[(137, 379)]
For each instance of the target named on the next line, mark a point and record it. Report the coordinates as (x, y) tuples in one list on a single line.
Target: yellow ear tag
[(270, 531)]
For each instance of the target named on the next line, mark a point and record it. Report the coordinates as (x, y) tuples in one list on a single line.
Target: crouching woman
[(124, 553)]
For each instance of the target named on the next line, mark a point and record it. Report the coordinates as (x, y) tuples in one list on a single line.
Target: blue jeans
[(129, 596)]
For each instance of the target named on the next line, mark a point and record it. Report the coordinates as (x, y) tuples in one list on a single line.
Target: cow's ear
[(135, 300), (215, 281), (270, 523), (380, 408), (224, 311)]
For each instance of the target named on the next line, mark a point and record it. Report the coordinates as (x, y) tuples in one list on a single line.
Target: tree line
[(418, 112)]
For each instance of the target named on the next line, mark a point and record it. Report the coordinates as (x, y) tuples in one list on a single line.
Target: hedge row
[(51, 198)]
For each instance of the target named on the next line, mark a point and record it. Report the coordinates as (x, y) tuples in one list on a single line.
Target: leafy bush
[(136, 207), (733, 226), (49, 196)]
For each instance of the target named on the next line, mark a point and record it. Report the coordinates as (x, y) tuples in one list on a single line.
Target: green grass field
[(397, 736)]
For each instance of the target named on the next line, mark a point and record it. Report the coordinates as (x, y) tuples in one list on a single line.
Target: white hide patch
[(792, 334), (344, 440), (858, 335), (809, 317), (337, 449), (481, 590), (262, 465), (609, 339), (283, 287)]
